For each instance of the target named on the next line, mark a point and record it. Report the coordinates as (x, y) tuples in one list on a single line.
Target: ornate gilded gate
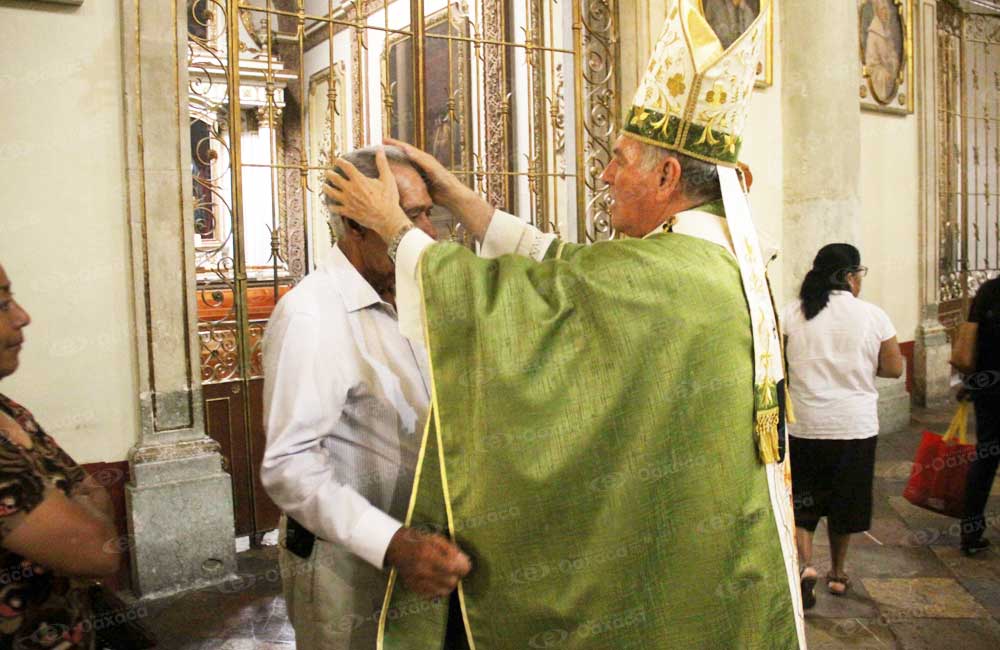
[(517, 97), (968, 82)]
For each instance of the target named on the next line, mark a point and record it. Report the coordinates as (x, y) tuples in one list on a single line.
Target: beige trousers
[(333, 597)]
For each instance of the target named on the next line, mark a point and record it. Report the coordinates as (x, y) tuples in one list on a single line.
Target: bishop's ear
[(670, 174)]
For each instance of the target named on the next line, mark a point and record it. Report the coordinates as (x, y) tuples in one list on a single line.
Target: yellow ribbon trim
[(433, 412)]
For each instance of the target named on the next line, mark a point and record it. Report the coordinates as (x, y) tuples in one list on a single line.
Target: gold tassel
[(766, 432)]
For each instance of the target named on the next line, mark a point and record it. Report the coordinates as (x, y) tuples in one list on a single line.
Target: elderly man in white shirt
[(345, 403)]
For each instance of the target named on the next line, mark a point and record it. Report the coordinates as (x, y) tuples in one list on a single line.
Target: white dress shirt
[(345, 403), (506, 235)]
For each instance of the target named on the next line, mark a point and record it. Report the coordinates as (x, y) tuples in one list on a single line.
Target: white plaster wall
[(63, 226), (762, 151), (890, 176), (64, 237)]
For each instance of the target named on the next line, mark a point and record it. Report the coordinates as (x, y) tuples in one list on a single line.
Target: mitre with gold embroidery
[(694, 95)]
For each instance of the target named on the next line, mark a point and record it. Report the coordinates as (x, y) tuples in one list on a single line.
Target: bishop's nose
[(608, 174)]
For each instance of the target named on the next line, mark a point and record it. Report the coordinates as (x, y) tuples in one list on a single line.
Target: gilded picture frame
[(885, 46), (765, 67)]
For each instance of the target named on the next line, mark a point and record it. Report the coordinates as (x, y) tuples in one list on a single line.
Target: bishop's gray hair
[(699, 179), (364, 161)]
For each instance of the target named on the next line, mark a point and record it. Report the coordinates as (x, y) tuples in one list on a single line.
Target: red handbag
[(937, 478)]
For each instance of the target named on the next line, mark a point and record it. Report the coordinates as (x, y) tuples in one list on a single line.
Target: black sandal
[(808, 584)]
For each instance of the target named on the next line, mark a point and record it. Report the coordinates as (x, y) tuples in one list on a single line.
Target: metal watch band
[(394, 244)]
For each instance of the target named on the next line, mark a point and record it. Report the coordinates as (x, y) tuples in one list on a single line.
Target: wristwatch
[(394, 243)]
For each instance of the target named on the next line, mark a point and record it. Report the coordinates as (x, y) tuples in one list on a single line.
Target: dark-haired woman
[(55, 521), (836, 345)]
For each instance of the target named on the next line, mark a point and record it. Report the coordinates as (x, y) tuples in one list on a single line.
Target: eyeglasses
[(858, 270)]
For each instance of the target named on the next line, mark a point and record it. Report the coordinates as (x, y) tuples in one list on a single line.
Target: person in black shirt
[(977, 352)]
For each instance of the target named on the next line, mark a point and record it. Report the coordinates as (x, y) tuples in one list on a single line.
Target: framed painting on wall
[(448, 65), (730, 18), (885, 36)]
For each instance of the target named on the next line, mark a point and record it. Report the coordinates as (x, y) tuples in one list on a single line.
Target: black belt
[(298, 539)]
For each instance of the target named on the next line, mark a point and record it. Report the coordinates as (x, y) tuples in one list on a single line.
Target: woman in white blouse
[(836, 346)]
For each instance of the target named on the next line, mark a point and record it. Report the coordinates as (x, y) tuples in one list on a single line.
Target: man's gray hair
[(364, 161), (699, 179)]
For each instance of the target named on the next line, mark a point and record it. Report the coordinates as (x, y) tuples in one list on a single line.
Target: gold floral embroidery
[(640, 117), (730, 142), (676, 85), (717, 96)]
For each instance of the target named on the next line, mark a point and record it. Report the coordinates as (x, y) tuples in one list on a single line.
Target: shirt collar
[(701, 224), (354, 289)]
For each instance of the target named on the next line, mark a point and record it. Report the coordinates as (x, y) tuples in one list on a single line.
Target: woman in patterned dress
[(56, 523)]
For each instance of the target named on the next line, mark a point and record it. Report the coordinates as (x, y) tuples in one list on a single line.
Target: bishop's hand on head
[(472, 210), (446, 189), (372, 202)]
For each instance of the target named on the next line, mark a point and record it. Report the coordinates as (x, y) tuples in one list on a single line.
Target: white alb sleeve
[(409, 302), (509, 235), (505, 235)]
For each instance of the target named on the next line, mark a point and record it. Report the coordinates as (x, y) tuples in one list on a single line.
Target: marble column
[(821, 119), (931, 350), (180, 502), (822, 131)]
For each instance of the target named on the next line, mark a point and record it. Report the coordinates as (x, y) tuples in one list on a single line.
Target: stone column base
[(180, 508), (931, 371), (893, 405)]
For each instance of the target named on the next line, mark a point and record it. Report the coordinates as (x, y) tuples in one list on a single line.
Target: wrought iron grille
[(968, 89), (517, 97)]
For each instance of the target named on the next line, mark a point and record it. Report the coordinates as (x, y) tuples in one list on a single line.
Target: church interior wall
[(71, 209), (890, 176), (64, 237), (763, 152), (65, 234)]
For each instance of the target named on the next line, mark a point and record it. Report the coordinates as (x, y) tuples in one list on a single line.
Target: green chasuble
[(591, 447)]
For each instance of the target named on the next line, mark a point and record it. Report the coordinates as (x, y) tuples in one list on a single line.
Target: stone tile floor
[(912, 589)]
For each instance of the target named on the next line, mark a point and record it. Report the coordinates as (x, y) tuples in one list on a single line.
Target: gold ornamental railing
[(517, 97)]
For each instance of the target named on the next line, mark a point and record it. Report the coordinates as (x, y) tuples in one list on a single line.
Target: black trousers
[(983, 468), (455, 638)]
